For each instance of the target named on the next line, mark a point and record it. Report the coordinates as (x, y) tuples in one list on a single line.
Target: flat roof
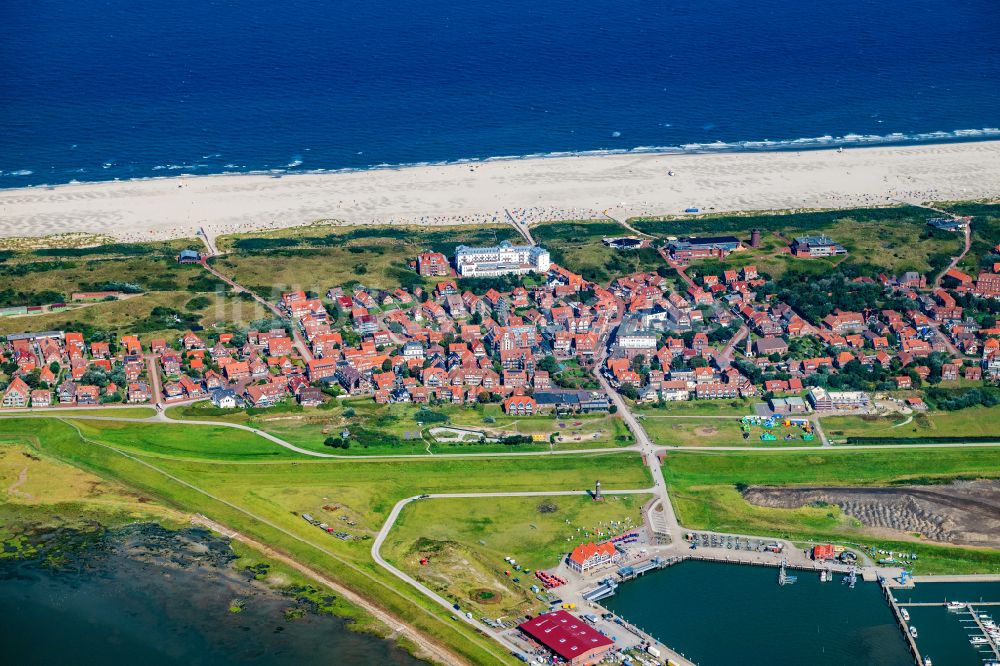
[(565, 635)]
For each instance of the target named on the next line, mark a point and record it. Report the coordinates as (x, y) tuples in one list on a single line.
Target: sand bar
[(532, 189)]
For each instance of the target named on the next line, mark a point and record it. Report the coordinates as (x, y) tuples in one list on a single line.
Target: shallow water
[(153, 597)]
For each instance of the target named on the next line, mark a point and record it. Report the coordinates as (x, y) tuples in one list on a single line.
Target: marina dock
[(991, 644), (911, 642)]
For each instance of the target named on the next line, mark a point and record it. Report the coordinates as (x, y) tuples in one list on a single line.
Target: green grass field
[(125, 316), (894, 238), (183, 441), (704, 490), (696, 432), (118, 412), (577, 245), (195, 469), (972, 422), (465, 542), (318, 257), (734, 407), (397, 429)]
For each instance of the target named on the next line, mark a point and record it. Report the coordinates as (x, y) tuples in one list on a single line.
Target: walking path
[(297, 339), (521, 227), (623, 221)]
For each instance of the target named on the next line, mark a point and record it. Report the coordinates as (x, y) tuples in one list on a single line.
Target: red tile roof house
[(568, 638), (41, 398), (520, 405), (588, 556), (17, 394), (265, 395)]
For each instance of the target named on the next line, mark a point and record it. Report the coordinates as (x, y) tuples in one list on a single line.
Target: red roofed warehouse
[(568, 637)]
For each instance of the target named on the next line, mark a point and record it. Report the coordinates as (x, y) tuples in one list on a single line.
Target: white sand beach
[(532, 189)]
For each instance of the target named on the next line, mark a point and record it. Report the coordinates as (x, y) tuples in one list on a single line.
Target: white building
[(823, 400), (503, 259), (632, 336)]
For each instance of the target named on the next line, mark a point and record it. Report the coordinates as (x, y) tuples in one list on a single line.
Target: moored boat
[(913, 631), (956, 605), (905, 614)]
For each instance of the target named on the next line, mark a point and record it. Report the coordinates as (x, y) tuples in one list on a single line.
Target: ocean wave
[(757, 145)]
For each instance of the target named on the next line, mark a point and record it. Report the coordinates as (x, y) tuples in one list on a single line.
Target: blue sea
[(105, 89)]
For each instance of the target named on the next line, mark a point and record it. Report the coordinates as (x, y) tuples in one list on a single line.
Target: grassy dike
[(260, 497), (705, 489), (42, 497)]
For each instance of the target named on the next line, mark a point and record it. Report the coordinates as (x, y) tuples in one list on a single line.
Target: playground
[(777, 427)]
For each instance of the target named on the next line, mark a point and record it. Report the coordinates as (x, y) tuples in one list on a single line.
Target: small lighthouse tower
[(597, 493)]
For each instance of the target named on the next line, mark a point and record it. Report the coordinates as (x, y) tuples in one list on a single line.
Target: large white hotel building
[(503, 259)]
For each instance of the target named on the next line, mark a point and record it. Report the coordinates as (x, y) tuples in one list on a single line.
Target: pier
[(605, 589), (943, 603), (634, 571), (990, 644), (911, 642)]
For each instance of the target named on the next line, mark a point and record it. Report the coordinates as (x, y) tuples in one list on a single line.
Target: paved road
[(727, 352), (965, 251), (644, 445)]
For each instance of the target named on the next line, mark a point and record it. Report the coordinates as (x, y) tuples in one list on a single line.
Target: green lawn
[(894, 238), (576, 245), (398, 429), (318, 257), (125, 316), (704, 490), (972, 422), (467, 540), (697, 431), (183, 441), (118, 412), (734, 407)]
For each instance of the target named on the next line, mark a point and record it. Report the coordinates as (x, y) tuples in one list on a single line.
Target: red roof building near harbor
[(824, 552), (586, 556), (568, 637)]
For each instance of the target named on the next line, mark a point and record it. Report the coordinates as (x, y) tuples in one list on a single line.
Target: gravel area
[(963, 512)]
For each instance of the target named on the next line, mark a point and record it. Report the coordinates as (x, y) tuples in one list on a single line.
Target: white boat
[(956, 605), (979, 640), (927, 661), (913, 631), (905, 614)]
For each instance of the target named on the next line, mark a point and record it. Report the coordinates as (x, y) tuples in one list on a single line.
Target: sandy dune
[(533, 190)]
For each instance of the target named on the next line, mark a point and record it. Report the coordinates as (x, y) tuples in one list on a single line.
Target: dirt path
[(623, 221), (22, 477), (433, 650)]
